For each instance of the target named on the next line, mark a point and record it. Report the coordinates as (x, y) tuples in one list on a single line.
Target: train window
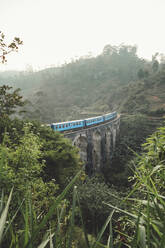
[(63, 126), (66, 125), (59, 126)]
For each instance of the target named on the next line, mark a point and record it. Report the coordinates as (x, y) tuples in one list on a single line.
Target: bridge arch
[(81, 142)]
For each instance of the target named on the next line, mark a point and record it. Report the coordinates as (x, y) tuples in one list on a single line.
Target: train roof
[(65, 122), (94, 117)]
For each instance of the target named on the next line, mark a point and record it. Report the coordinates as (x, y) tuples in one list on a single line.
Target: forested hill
[(117, 79)]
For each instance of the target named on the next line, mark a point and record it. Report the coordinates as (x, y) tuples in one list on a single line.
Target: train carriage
[(94, 120), (64, 126), (109, 116)]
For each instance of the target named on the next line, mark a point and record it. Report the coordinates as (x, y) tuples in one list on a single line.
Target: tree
[(93, 196), (109, 50), (21, 166), (155, 66), (9, 100)]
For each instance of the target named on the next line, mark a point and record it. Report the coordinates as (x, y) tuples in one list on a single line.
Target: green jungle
[(46, 198)]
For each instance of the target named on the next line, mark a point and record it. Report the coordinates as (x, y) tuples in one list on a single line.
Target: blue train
[(68, 125)]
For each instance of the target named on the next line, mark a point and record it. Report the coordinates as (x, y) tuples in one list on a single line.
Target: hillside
[(117, 79)]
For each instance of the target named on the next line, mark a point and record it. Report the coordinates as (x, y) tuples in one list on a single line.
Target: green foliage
[(20, 167), (134, 129), (62, 232), (22, 163), (34, 230), (93, 201), (144, 225), (62, 160), (93, 195)]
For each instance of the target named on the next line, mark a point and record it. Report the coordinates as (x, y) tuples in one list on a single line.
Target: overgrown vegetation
[(130, 226), (143, 221), (134, 129)]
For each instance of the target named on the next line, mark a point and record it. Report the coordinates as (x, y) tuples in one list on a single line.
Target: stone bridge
[(96, 144)]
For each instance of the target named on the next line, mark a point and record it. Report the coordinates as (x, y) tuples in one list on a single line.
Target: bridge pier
[(96, 144)]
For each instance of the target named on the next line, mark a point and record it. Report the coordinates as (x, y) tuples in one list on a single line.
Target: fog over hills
[(117, 79)]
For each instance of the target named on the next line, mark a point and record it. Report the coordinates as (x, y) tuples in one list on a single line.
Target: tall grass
[(143, 222), (35, 234)]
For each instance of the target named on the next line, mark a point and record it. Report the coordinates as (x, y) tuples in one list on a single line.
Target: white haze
[(54, 31)]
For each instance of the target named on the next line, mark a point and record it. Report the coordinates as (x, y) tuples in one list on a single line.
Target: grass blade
[(45, 242), (103, 229), (51, 210), (4, 216)]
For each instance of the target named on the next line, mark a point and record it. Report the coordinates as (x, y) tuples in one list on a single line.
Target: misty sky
[(54, 31)]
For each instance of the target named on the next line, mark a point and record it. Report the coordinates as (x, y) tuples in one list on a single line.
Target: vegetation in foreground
[(135, 220)]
